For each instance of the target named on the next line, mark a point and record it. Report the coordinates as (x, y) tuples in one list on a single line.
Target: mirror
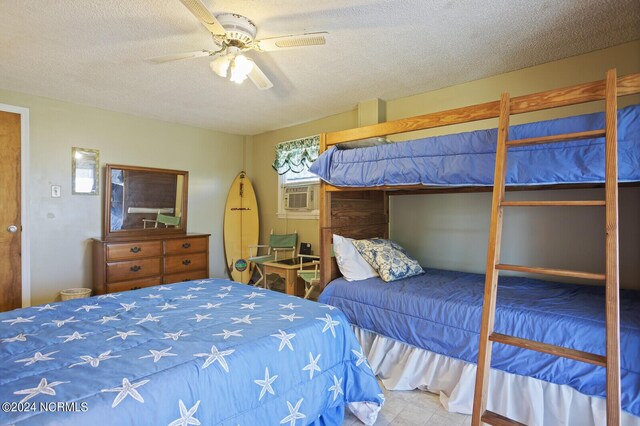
[(85, 166), (142, 200)]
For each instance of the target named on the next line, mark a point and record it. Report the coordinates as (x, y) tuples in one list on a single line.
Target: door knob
[(12, 228)]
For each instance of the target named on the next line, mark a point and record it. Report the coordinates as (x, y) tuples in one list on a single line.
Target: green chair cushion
[(283, 240), (168, 220), (308, 276), (262, 259)]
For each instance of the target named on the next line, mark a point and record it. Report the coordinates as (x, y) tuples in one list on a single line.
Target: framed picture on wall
[(85, 171)]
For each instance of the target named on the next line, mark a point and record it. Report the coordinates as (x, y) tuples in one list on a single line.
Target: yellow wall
[(61, 228), (451, 231), (265, 179), (577, 69)]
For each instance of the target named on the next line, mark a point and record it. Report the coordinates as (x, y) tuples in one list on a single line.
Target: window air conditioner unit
[(298, 197)]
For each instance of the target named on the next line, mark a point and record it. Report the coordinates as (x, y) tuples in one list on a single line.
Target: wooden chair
[(277, 243), (163, 219), (311, 277)]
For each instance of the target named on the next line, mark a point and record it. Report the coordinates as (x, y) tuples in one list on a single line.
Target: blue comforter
[(214, 351), (440, 311), (468, 159)]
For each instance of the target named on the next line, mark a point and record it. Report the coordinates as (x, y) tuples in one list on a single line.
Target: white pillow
[(350, 262)]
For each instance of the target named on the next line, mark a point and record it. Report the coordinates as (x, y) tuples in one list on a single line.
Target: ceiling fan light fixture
[(240, 68), (232, 35), (220, 65)]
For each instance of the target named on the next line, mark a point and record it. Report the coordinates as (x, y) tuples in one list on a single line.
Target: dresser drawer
[(133, 269), (126, 251), (185, 245), (187, 262), (133, 285), (185, 276)]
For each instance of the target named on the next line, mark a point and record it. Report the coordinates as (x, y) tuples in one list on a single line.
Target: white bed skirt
[(525, 399)]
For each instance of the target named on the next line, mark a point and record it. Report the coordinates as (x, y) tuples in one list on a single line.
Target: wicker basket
[(75, 293)]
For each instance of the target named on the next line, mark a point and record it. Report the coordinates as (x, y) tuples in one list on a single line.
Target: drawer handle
[(186, 262), (188, 279), (135, 268), (136, 288), (186, 245), (135, 250)]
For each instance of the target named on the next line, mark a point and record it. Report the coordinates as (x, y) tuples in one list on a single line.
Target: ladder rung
[(549, 349), (495, 419), (552, 203), (565, 137), (550, 271)]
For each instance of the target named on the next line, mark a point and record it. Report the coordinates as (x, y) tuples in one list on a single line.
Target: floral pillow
[(388, 258)]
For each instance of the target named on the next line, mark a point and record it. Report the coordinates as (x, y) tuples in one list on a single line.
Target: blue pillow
[(388, 258)]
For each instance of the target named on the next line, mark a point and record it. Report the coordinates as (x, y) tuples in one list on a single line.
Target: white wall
[(61, 228)]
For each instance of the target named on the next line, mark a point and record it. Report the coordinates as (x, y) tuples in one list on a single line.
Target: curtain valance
[(296, 155)]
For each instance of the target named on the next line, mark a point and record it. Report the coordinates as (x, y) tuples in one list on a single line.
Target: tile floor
[(412, 408)]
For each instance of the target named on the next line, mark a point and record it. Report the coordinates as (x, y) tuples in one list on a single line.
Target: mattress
[(440, 311), (209, 352), (468, 159)]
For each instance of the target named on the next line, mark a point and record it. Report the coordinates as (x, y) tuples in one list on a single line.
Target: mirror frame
[(108, 234), (74, 170)]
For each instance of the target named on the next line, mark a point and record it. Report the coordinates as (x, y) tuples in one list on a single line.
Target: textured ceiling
[(91, 52)]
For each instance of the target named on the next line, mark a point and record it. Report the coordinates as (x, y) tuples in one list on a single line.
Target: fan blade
[(201, 12), (259, 78), (290, 41), (179, 56)]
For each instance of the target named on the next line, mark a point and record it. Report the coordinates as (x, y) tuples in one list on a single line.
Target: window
[(298, 199), (292, 178), (298, 189)]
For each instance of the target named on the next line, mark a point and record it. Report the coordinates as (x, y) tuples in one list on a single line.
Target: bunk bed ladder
[(611, 361)]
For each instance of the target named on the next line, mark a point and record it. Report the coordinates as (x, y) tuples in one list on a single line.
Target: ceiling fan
[(233, 35)]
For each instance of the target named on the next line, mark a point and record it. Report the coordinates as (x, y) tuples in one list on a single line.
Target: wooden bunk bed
[(363, 212)]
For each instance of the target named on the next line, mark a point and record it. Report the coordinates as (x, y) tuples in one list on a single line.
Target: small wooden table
[(288, 269)]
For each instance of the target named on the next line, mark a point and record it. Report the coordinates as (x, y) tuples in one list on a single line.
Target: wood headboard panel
[(352, 214)]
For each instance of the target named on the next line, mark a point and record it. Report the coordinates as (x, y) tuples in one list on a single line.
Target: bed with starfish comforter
[(209, 352)]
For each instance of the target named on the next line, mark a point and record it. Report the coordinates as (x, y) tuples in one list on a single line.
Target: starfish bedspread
[(208, 352)]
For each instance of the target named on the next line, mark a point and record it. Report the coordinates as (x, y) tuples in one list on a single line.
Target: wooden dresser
[(136, 262)]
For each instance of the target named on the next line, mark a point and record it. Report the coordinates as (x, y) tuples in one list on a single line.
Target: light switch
[(55, 191)]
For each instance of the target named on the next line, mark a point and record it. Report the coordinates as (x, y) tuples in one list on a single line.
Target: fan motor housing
[(240, 30)]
